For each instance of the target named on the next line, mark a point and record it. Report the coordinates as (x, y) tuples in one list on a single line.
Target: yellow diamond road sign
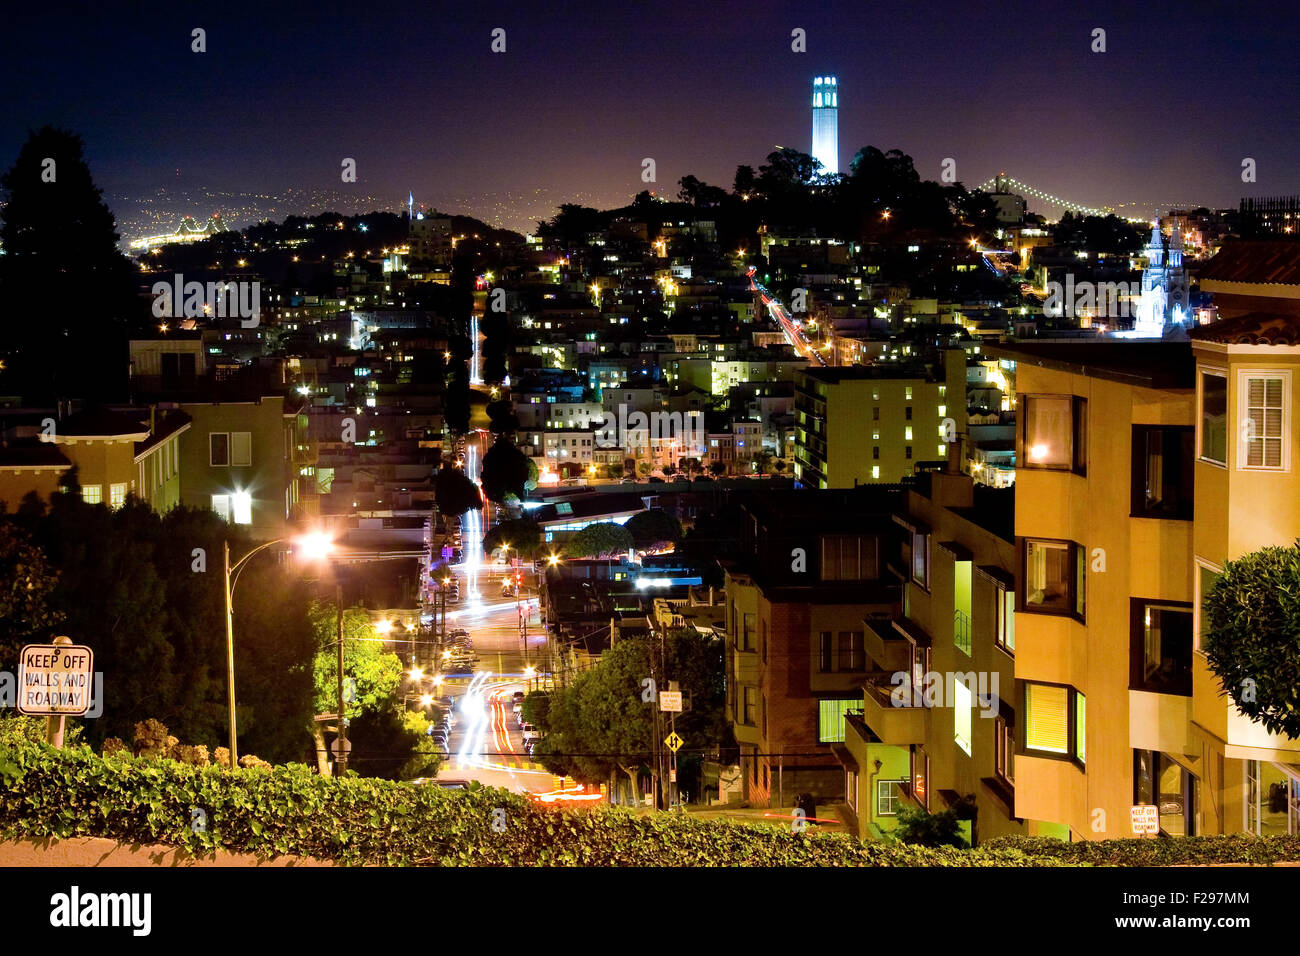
[(673, 741)]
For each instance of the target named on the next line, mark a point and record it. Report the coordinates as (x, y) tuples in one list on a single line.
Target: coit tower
[(825, 124)]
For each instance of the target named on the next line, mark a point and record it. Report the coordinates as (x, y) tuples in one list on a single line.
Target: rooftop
[(1254, 328), (1146, 364), (1257, 261)]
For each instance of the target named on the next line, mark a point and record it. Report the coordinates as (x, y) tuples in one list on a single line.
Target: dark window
[(875, 452), (1214, 418), (908, 451), (907, 413), (747, 633), (849, 558), (1053, 577), (875, 413), (1161, 647), (1158, 780), (763, 630), (916, 556), (1162, 472), (218, 448), (852, 652), (1004, 615), (1004, 741), (825, 652)]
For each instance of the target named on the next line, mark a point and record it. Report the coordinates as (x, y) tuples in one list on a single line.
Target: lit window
[(242, 507), (1053, 432), (907, 433), (961, 715), (221, 505), (830, 718), (875, 471), (117, 495), (907, 392), (92, 494), (1047, 718)]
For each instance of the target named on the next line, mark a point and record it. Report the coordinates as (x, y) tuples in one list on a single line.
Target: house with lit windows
[(937, 722), (247, 461), (1134, 486), (813, 573)]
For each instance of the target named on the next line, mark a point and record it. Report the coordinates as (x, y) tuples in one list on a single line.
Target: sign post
[(55, 681)]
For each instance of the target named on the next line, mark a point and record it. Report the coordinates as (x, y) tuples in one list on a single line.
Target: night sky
[(585, 91)]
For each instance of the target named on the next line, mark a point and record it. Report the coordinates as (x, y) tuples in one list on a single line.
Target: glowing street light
[(313, 545)]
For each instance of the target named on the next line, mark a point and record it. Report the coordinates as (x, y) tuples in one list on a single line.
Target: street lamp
[(314, 545)]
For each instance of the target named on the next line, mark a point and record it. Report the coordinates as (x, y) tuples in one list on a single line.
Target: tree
[(27, 585), (644, 468), (599, 540), (523, 535), (505, 471), (454, 492), (371, 675), (718, 468), (501, 414), (1253, 638), (653, 528), (456, 397), (58, 234), (602, 723)]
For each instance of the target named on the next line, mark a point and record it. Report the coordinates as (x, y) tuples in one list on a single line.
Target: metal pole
[(230, 653), (341, 762), (54, 725)]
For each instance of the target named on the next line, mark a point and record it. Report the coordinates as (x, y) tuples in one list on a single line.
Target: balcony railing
[(961, 631)]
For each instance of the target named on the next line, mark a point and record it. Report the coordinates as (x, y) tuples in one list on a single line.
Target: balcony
[(898, 726), (886, 645)]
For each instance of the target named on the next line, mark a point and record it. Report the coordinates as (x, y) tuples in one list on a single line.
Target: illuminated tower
[(825, 127)]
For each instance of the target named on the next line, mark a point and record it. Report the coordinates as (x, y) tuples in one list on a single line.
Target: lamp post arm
[(238, 566)]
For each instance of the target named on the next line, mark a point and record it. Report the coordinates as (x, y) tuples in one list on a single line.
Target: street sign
[(672, 741), (670, 700), (334, 746), (1145, 819), (55, 679)]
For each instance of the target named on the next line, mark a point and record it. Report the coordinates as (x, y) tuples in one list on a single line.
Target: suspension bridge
[(1005, 183)]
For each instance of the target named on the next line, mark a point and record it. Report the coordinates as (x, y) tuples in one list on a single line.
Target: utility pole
[(341, 761), (657, 733), (230, 653)]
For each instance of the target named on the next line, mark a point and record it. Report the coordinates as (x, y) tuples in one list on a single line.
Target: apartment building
[(876, 423), (1133, 490), (937, 722), (245, 461), (813, 571)]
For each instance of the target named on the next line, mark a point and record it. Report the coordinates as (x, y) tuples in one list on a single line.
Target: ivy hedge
[(290, 810)]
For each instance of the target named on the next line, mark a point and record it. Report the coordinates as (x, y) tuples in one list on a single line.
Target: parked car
[(530, 733)]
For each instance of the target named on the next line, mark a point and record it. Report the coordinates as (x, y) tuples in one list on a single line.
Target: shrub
[(288, 809)]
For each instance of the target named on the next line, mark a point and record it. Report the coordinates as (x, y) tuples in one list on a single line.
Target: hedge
[(356, 820)]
